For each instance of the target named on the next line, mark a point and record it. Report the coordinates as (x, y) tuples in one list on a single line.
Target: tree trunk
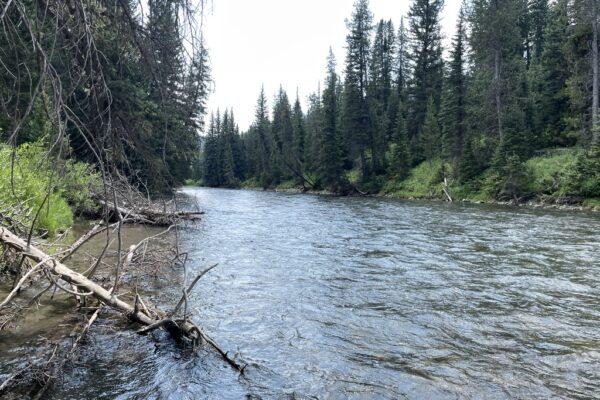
[(594, 17), (497, 91)]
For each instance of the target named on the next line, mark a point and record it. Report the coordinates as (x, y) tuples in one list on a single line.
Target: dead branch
[(189, 289), (184, 328), (150, 216)]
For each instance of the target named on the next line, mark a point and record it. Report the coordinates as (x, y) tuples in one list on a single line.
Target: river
[(370, 298)]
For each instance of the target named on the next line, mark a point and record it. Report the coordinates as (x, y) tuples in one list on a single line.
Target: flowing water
[(328, 297)]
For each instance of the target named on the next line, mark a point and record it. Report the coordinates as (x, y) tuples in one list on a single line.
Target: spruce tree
[(426, 59), (430, 133), (498, 92), (400, 163), (211, 156), (228, 178), (263, 142), (330, 162), (455, 94), (299, 133), (356, 122), (549, 80), (380, 90)]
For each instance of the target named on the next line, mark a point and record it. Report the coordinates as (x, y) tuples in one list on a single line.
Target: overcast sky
[(283, 42)]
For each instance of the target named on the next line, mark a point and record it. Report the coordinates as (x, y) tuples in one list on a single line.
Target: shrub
[(37, 187)]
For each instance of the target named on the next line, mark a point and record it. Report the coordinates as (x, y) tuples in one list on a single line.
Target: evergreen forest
[(508, 112), (94, 92)]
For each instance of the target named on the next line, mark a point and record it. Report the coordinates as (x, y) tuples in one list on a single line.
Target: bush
[(425, 180), (585, 176), (551, 175), (508, 180), (40, 188)]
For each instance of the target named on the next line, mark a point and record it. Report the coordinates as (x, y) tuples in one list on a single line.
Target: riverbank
[(546, 183)]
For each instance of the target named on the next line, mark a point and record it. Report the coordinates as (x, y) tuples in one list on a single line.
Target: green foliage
[(585, 179), (516, 82), (508, 180), (44, 186), (551, 174), (430, 132), (424, 19), (424, 181)]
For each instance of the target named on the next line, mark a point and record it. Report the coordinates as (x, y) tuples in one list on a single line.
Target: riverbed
[(328, 297)]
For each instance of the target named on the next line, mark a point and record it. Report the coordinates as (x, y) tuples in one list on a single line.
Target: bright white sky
[(283, 42)]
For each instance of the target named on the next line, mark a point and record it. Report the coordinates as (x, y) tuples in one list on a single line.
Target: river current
[(370, 298)]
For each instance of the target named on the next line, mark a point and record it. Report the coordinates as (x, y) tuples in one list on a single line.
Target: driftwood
[(446, 190), (149, 216), (53, 267)]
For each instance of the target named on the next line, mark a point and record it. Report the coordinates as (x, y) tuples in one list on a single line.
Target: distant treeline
[(521, 76)]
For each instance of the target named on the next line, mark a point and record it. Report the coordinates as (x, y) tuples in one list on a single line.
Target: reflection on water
[(371, 298)]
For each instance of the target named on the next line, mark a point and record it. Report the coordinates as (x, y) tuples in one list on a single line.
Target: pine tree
[(538, 11), (400, 164), (263, 143), (402, 61), (455, 95), (499, 86), (299, 133), (549, 80), (282, 132), (430, 133), (228, 178), (380, 90), (330, 161), (356, 122), (426, 59), (211, 156)]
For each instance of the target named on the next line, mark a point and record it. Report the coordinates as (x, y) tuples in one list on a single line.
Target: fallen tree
[(82, 286), (146, 215)]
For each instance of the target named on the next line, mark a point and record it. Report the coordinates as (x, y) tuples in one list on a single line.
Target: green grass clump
[(251, 183), (424, 181), (287, 185), (592, 202), (550, 175), (37, 188)]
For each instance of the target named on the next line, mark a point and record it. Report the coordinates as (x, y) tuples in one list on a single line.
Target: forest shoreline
[(572, 204)]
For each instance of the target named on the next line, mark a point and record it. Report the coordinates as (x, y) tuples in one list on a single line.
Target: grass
[(549, 175), (424, 181), (592, 202), (287, 185), (41, 189), (251, 183)]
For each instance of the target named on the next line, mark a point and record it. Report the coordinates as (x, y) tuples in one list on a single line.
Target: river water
[(368, 298)]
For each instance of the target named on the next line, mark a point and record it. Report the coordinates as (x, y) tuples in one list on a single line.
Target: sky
[(284, 43)]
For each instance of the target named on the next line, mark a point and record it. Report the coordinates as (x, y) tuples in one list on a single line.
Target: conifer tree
[(263, 143), (314, 129), (282, 132), (228, 178), (330, 162), (299, 134), (426, 59), (430, 133), (356, 122), (549, 81), (400, 163), (380, 90), (455, 94), (211, 155), (499, 76)]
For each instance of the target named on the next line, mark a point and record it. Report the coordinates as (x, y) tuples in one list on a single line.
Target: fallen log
[(150, 216), (446, 190), (178, 328)]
